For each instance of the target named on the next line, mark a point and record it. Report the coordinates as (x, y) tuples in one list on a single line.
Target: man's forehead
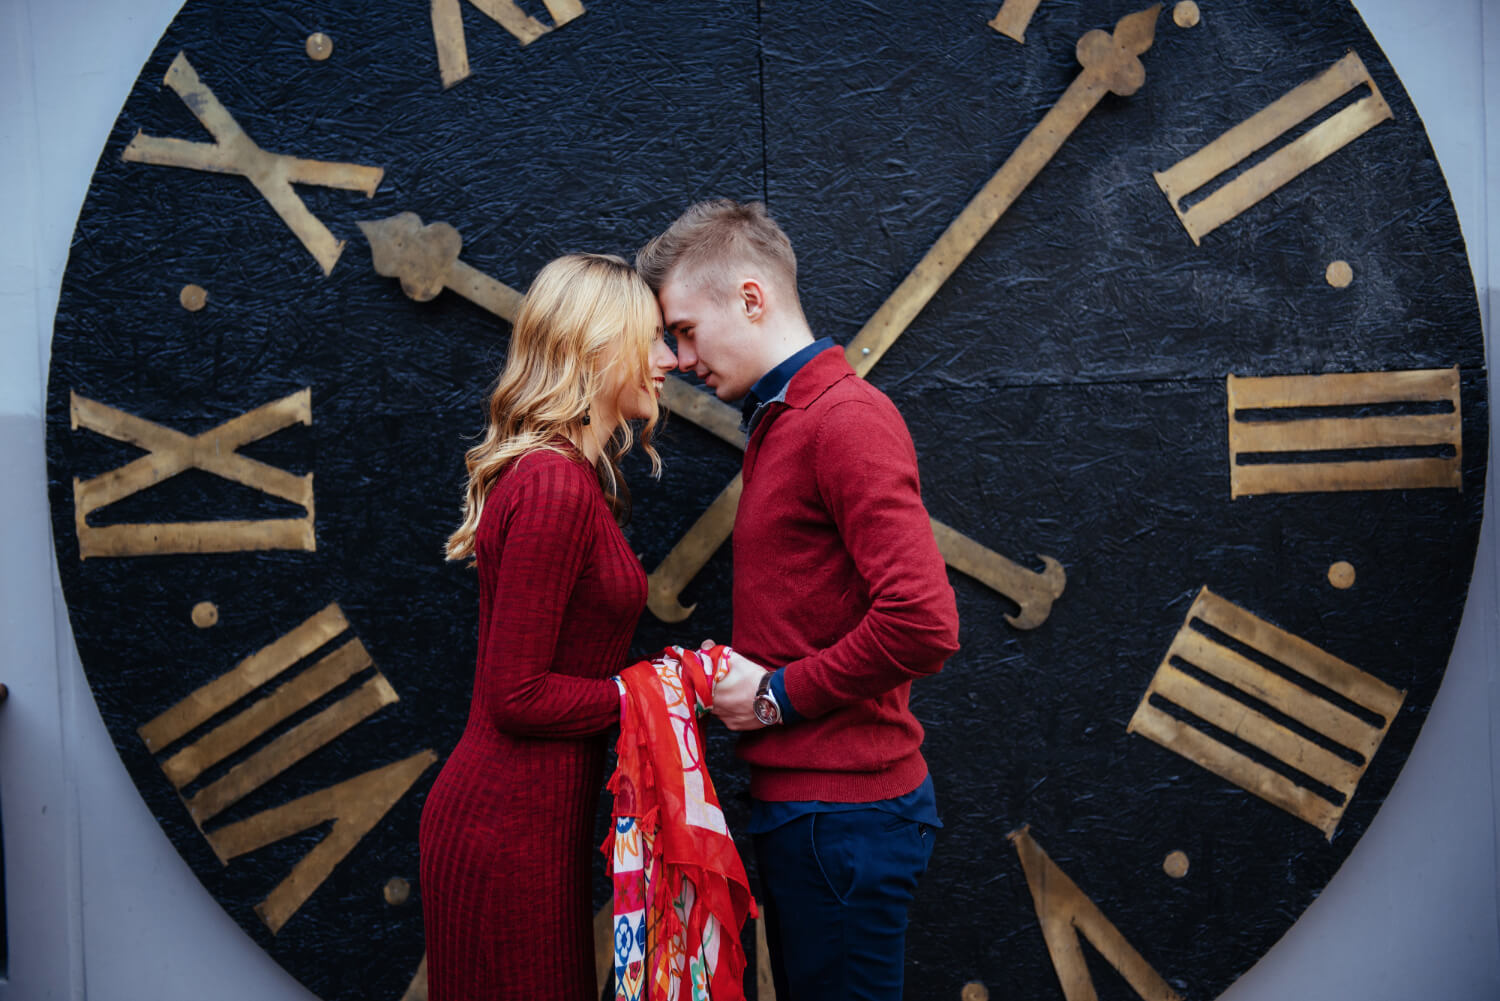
[(675, 310), (681, 298)]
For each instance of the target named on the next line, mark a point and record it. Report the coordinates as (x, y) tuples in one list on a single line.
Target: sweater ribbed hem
[(781, 785)]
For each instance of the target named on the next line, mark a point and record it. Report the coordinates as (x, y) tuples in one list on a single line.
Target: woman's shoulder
[(553, 477)]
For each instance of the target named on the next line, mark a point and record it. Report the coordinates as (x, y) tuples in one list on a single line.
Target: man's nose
[(686, 358)]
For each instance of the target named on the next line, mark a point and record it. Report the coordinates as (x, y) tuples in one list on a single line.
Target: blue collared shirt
[(919, 805), (771, 387)]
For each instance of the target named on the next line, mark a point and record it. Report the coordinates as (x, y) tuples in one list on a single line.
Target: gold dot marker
[(319, 46), (205, 614), (974, 991), (1339, 274), (397, 891), (1175, 865), (193, 297), (1186, 14), (1341, 575)]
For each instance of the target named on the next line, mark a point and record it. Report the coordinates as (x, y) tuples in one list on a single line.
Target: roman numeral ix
[(171, 452)]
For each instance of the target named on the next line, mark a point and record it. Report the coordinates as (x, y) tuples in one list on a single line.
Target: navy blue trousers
[(835, 888)]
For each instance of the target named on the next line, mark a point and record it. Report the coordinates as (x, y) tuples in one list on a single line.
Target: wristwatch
[(766, 708)]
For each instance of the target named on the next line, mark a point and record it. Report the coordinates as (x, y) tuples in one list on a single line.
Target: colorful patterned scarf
[(681, 894)]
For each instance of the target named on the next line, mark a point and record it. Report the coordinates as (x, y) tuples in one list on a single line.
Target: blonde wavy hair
[(584, 317)]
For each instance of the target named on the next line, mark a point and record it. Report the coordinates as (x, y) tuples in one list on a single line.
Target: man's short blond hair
[(712, 241)]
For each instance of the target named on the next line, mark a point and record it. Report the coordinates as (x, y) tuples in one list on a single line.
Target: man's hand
[(734, 696)]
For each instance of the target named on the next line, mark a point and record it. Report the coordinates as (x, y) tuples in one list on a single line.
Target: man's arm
[(866, 471)]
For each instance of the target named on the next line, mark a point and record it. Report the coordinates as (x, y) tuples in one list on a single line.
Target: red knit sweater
[(838, 577), (507, 834)]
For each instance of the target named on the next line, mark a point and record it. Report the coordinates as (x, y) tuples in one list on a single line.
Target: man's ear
[(752, 299)]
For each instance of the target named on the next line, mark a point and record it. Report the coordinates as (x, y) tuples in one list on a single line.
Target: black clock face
[(1263, 574)]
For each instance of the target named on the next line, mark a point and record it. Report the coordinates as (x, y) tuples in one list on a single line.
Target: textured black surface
[(1065, 390)]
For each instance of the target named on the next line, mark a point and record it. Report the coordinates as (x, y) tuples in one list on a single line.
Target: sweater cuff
[(789, 713)]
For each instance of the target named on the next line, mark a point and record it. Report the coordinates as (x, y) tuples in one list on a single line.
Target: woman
[(507, 828)]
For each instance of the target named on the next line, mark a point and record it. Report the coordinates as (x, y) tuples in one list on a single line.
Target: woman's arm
[(548, 538)]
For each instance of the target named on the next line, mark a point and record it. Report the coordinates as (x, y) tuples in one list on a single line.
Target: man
[(841, 600)]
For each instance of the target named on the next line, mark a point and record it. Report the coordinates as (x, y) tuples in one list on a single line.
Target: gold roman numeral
[(234, 152), (1260, 130), (1013, 18), (1283, 430), (1330, 716), (354, 806), (171, 452), (448, 29), (1066, 913)]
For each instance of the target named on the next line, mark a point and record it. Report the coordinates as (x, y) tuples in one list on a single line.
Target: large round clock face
[(1199, 402)]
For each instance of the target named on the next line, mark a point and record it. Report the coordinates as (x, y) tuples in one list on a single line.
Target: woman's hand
[(734, 695)]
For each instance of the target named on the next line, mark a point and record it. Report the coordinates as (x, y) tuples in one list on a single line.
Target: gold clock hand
[(425, 259), (1033, 592), (1110, 64)]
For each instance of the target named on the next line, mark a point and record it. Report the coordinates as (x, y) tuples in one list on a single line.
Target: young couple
[(841, 600)]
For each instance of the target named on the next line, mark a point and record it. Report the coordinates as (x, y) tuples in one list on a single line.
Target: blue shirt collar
[(772, 386)]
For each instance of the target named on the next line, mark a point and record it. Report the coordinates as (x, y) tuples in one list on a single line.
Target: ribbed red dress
[(507, 830)]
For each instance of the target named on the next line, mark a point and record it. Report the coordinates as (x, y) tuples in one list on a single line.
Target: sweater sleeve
[(866, 469), (549, 535)]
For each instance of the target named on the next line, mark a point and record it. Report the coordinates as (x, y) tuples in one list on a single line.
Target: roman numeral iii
[(1302, 734), (1347, 431)]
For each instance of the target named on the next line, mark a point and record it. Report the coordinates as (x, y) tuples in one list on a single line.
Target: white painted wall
[(101, 906)]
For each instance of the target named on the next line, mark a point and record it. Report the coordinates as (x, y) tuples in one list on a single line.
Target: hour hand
[(425, 258), (1033, 592)]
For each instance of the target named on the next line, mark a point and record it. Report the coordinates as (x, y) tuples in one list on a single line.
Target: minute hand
[(1111, 64)]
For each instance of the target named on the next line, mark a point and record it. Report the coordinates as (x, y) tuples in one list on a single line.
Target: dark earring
[(586, 418)]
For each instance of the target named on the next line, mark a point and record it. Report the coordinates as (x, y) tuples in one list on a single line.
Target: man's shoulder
[(852, 400)]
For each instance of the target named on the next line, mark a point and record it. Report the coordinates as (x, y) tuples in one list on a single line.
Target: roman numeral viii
[(354, 805), (1299, 736), (1260, 130), (171, 452)]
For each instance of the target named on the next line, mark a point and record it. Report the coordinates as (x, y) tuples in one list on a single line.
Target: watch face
[(1196, 384)]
